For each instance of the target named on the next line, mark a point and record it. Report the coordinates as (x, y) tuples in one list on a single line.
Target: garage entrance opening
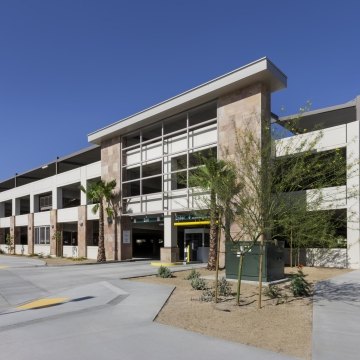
[(148, 237)]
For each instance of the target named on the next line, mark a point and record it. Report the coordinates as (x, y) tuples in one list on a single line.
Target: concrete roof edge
[(62, 158), (259, 66), (351, 103)]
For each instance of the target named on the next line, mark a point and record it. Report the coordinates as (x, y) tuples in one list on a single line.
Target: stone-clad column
[(110, 170), (244, 110), (125, 232), (53, 230), (13, 233), (82, 230), (30, 234), (116, 241)]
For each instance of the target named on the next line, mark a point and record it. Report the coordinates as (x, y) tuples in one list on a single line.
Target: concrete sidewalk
[(124, 330), (19, 261), (100, 317), (336, 318)]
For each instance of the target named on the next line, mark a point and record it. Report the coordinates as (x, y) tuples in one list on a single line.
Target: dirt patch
[(285, 328)]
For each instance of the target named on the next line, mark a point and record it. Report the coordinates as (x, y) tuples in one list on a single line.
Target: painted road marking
[(42, 303), (3, 267)]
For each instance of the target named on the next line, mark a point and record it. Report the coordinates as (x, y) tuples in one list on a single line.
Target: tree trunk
[(101, 257), (298, 257), (239, 278), (213, 233), (291, 249), (261, 255), (217, 263)]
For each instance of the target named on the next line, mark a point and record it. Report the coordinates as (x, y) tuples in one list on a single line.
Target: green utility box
[(273, 261)]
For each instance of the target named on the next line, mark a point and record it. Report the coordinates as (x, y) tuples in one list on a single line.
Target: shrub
[(299, 286), (198, 284), (81, 258), (272, 291), (164, 272), (207, 295), (193, 275), (2, 251), (224, 287), (10, 246)]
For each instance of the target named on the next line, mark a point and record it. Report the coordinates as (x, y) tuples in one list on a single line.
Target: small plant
[(10, 244), (272, 291), (299, 286), (207, 295), (2, 252), (164, 272), (193, 275), (224, 287), (198, 283), (81, 258)]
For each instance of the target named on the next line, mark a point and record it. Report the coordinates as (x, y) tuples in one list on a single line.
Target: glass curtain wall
[(157, 159)]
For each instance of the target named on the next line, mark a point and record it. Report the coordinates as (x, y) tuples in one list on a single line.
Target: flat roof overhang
[(317, 119), (259, 71), (74, 160)]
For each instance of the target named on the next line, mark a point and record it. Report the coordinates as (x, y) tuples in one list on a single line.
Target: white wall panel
[(133, 206), (21, 220), (178, 202), (42, 218), (21, 249), (203, 136), (90, 214), (92, 252), (330, 138), (4, 248), (5, 222), (133, 156), (152, 203), (67, 215), (70, 251), (177, 143), (328, 198), (152, 151), (42, 249)]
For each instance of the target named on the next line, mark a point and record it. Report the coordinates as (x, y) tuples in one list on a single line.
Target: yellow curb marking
[(3, 266), (42, 302)]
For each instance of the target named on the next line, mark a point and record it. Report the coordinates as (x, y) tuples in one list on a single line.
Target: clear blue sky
[(70, 67)]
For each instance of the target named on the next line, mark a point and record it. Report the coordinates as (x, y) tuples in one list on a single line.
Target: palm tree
[(101, 193), (208, 177)]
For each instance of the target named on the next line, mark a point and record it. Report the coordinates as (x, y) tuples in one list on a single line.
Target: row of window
[(181, 162), (153, 177), (176, 123)]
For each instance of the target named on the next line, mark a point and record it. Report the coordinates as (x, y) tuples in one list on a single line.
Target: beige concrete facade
[(82, 231), (242, 98), (13, 233), (53, 231), (245, 110), (125, 249), (169, 254), (30, 234), (111, 170)]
